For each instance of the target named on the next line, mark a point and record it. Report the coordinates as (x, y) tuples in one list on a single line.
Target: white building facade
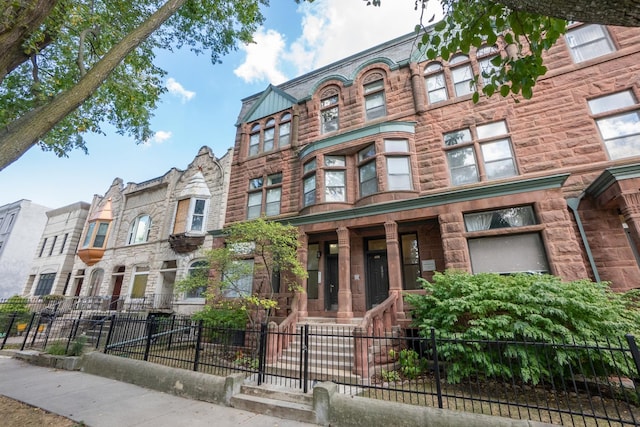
[(52, 265), (141, 238), (21, 225)]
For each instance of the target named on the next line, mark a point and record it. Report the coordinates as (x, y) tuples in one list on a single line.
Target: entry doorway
[(377, 272), (332, 277)]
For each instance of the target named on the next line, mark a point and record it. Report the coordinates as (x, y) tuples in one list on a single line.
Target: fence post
[(26, 334), (8, 331), (151, 325), (196, 360), (436, 367), (635, 353), (361, 352), (110, 333), (173, 321), (305, 355), (262, 352)]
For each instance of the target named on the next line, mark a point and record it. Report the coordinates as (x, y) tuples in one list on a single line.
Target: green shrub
[(521, 307), (15, 304), (57, 348), (222, 315), (411, 364)]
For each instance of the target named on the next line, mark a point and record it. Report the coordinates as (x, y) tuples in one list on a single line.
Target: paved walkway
[(101, 402)]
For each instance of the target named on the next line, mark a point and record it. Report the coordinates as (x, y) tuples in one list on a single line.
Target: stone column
[(345, 303), (630, 208), (454, 243), (417, 89), (303, 253), (394, 264)]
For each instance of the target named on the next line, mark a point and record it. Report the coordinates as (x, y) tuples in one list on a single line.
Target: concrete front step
[(279, 404), (316, 373)]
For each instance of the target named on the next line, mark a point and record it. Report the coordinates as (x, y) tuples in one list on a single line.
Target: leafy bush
[(15, 304), (411, 364), (59, 348), (521, 308), (222, 315)]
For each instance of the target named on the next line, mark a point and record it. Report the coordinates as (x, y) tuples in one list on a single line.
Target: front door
[(115, 296), (377, 279), (331, 282)]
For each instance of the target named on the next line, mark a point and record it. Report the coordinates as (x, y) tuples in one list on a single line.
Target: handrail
[(376, 316), (376, 322), (282, 334)]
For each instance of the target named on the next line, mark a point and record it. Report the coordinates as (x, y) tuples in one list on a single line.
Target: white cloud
[(178, 90), (158, 137), (331, 30), (262, 58)]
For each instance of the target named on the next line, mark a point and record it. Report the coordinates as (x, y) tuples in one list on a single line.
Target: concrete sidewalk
[(101, 402)]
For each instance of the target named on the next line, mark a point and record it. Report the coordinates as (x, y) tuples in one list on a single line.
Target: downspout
[(573, 204)]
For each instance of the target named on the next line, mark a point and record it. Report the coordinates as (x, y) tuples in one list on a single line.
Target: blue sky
[(203, 100)]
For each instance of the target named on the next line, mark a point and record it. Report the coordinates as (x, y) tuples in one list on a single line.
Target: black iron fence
[(55, 334), (66, 304), (569, 383)]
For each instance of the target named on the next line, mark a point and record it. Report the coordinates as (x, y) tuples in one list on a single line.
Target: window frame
[(134, 231), (330, 112), (194, 267), (366, 159), (577, 51), (602, 115), (373, 90), (259, 189), (434, 74), (457, 63), (45, 284), (392, 153), (477, 144), (335, 170), (309, 174)]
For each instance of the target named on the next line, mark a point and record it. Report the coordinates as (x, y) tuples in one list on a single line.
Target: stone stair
[(330, 353), (279, 403)]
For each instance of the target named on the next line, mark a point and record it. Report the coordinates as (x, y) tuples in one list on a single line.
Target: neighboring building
[(53, 262), (391, 172), (21, 225), (140, 238)]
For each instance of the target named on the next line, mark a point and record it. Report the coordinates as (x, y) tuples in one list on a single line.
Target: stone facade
[(21, 224), (388, 178), (53, 262), (152, 233)]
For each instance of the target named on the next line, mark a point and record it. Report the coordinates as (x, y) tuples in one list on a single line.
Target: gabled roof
[(270, 102)]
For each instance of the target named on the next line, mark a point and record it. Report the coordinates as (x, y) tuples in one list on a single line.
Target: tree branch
[(24, 132)]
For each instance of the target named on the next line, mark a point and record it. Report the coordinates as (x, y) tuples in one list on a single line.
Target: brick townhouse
[(391, 172)]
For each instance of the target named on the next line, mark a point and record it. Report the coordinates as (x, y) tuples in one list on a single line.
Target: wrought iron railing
[(566, 383)]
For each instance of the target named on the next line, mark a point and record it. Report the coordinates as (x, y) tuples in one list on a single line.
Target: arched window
[(462, 75), (269, 135), (254, 140), (284, 137), (198, 270), (329, 110), (95, 282), (139, 231), (435, 83), (374, 99)]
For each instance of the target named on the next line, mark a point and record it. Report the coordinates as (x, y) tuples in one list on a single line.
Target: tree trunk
[(21, 20), (24, 132), (625, 13)]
